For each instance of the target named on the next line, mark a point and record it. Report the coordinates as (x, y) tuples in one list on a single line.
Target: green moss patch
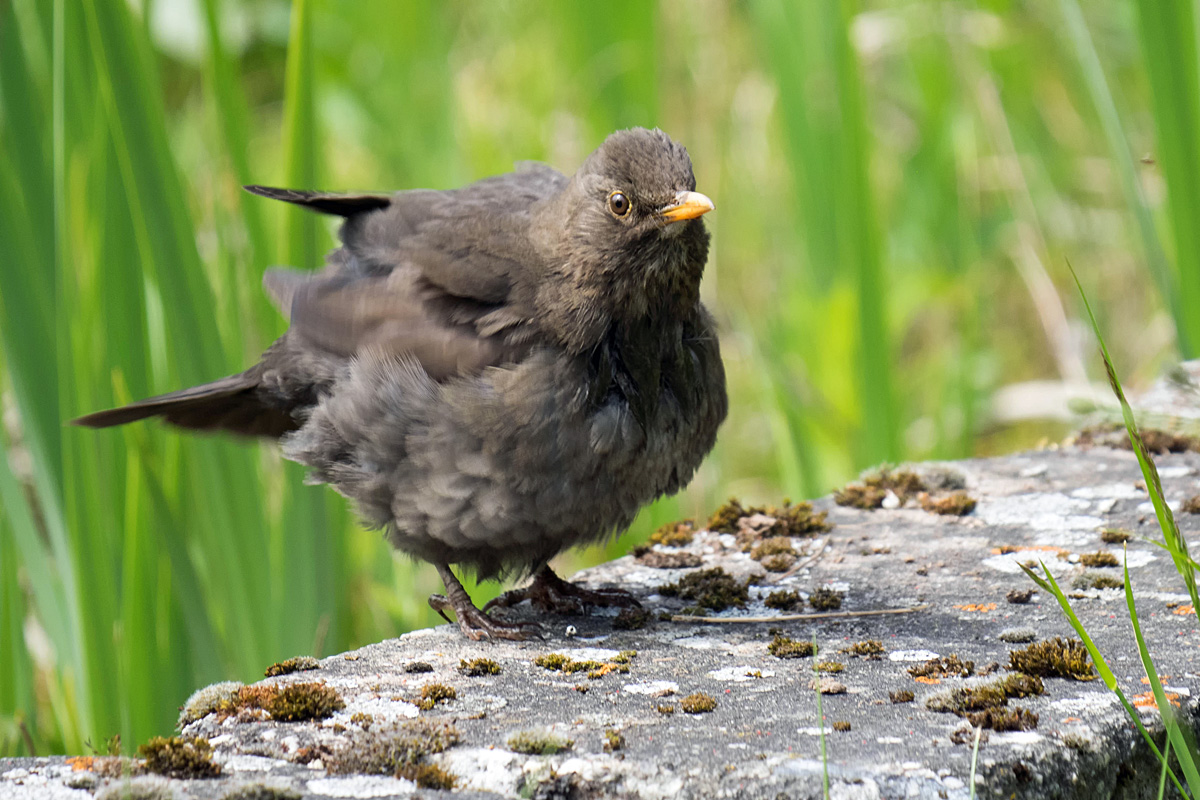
[(538, 743), (1053, 658), (674, 534), (950, 666), (434, 693), (297, 664), (790, 519), (478, 667), (179, 757), (785, 647), (1101, 558), (870, 649), (955, 504), (714, 589), (870, 492), (825, 599), (1115, 536), (784, 600), (397, 749), (698, 703)]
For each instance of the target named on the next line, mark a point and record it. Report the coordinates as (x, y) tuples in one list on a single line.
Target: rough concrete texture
[(762, 739)]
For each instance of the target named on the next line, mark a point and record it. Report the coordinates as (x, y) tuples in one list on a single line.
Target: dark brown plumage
[(494, 373)]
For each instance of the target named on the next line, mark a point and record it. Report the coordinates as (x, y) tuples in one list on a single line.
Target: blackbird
[(493, 373)]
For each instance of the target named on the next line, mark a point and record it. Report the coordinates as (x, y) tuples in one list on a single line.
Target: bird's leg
[(475, 624), (549, 592)]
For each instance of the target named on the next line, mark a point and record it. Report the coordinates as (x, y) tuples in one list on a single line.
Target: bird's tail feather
[(233, 404)]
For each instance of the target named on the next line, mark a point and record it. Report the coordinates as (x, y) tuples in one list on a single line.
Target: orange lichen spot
[(1007, 549), (1183, 611), (1146, 699), (981, 608), (1068, 720), (1160, 677), (81, 763), (924, 679)]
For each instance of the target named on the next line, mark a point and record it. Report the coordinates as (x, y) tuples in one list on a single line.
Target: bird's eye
[(619, 204)]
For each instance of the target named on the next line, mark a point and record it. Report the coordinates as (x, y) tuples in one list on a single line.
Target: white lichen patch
[(1109, 491), (814, 731), (1010, 563), (652, 688), (244, 763), (380, 708), (483, 770), (1169, 473), (1039, 511), (1016, 738), (589, 654), (912, 655), (740, 674), (701, 643), (361, 786), (1084, 703)]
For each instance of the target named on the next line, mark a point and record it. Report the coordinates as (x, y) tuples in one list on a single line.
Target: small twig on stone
[(878, 612)]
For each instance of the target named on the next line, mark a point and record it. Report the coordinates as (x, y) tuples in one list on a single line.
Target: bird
[(495, 373)]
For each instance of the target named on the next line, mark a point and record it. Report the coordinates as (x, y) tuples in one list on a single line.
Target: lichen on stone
[(296, 664), (902, 696), (261, 790), (828, 666), (144, 787), (208, 700), (613, 741), (397, 749)]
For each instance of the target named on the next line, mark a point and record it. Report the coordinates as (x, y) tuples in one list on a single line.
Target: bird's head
[(630, 237)]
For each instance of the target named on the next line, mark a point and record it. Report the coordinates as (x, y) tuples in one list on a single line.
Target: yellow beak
[(687, 205)]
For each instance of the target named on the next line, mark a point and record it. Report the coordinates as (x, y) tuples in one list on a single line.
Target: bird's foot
[(477, 625), (549, 592)]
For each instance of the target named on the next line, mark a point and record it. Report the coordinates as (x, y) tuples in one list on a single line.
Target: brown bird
[(494, 373)]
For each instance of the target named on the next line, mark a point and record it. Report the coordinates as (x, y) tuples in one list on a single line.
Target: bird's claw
[(476, 624), (548, 592)]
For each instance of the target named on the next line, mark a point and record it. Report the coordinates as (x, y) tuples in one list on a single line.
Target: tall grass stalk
[(1180, 737), (1169, 51)]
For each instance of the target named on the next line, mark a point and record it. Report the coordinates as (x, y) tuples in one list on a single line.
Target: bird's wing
[(433, 275)]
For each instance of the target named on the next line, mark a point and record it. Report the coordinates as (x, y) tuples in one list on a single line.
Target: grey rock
[(763, 738)]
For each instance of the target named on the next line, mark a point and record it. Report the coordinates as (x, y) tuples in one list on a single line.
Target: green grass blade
[(1051, 587), (1169, 53), (829, 144), (1176, 544), (1118, 145), (1185, 746)]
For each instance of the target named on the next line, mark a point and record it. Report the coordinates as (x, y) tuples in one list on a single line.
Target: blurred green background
[(899, 188)]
